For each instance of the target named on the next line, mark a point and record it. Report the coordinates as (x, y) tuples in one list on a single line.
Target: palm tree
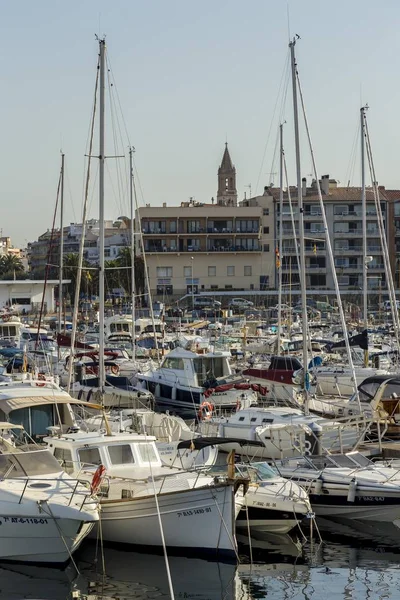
[(71, 262), (10, 265), (112, 277), (124, 260)]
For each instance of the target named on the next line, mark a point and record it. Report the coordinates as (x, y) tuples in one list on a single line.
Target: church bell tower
[(227, 194)]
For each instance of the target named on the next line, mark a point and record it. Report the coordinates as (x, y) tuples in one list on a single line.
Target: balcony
[(345, 234), (348, 250), (310, 216)]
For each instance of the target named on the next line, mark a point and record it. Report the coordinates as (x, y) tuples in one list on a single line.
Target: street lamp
[(192, 258)]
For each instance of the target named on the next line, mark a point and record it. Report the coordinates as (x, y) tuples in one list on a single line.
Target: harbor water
[(348, 564)]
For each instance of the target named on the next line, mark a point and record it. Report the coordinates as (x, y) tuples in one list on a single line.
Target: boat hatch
[(348, 461)]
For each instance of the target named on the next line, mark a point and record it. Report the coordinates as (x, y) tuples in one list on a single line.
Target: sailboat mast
[(364, 220), (131, 150), (60, 271), (302, 273), (279, 258), (101, 216)]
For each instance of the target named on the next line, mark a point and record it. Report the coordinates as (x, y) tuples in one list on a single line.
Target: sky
[(188, 76)]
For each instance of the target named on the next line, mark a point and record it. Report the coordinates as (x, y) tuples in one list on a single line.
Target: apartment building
[(343, 210), (224, 245), (117, 236)]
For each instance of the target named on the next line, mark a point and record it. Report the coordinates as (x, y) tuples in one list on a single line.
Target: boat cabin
[(196, 369), (10, 328), (37, 405), (123, 455)]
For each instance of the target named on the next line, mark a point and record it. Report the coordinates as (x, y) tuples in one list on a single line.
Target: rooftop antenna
[(249, 186), (272, 176)]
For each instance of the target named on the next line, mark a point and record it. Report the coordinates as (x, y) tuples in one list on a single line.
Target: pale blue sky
[(188, 75)]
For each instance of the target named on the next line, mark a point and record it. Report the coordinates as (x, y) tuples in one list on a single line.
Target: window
[(121, 454), (193, 245), (147, 453), (187, 271), (253, 419), (266, 229), (172, 227), (173, 363), (212, 271), (341, 245), (264, 282), (343, 280), (265, 212), (248, 271), (266, 248), (164, 271), (341, 262), (89, 456), (317, 227), (230, 271), (341, 227), (341, 209), (315, 210), (193, 226), (64, 457)]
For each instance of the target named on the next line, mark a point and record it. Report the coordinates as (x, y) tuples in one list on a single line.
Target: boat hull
[(199, 519), (40, 538)]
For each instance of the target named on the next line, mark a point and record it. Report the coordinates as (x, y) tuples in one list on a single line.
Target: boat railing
[(44, 484)]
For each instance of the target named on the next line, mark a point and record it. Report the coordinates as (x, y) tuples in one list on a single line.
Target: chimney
[(304, 187), (164, 205), (325, 184)]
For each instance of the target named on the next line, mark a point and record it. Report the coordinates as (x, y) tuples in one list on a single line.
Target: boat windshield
[(256, 471), (28, 464)]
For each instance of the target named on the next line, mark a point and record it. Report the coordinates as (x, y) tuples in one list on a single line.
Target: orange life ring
[(41, 377), (205, 411), (114, 369), (97, 479)]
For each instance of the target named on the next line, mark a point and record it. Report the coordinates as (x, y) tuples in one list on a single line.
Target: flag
[(278, 258), (315, 249)]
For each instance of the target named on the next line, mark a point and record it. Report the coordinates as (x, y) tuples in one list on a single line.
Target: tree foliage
[(11, 267)]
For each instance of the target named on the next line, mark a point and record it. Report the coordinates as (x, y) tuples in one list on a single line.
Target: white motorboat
[(272, 504), (284, 432), (347, 486), (45, 513), (197, 511), (186, 380)]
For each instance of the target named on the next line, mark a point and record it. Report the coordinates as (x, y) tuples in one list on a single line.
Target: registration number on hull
[(195, 511), (23, 520)]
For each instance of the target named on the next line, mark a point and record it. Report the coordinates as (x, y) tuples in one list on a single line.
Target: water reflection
[(135, 575), (32, 581), (348, 564)]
